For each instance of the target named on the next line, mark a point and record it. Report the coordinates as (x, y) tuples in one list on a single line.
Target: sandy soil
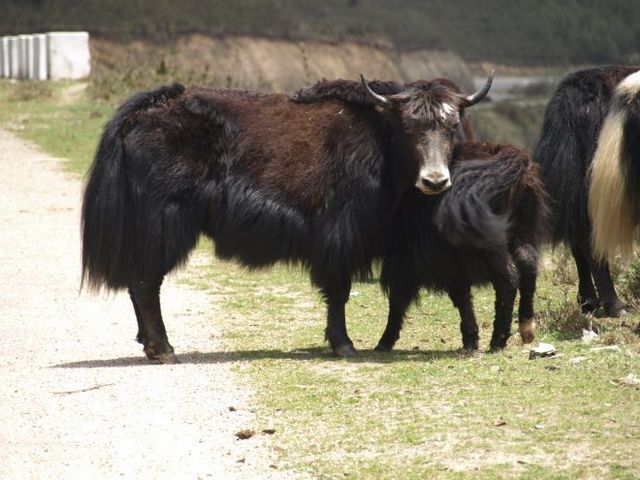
[(78, 399)]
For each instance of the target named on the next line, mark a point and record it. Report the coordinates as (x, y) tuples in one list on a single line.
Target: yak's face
[(429, 120), (428, 114)]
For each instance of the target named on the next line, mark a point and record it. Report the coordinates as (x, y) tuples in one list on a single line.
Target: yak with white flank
[(269, 177), (572, 123), (486, 229), (614, 203)]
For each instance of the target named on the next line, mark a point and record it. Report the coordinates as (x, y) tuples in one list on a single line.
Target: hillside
[(258, 63), (518, 32)]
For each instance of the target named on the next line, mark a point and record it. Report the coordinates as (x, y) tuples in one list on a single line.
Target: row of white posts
[(45, 56)]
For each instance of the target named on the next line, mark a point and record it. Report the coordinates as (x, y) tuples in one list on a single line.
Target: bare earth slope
[(77, 399)]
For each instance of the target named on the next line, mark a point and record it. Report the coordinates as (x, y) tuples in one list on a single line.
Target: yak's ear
[(214, 109)]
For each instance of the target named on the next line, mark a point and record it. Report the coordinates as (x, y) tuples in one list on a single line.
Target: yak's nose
[(435, 185)]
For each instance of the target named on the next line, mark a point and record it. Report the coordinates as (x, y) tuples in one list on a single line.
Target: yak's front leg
[(145, 296), (398, 279), (399, 301), (505, 285), (336, 296), (462, 300)]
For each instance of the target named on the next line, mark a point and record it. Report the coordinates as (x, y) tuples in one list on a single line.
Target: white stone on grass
[(543, 350)]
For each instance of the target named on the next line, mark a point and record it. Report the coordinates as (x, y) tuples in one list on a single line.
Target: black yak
[(269, 177), (614, 205), (486, 229), (572, 123)]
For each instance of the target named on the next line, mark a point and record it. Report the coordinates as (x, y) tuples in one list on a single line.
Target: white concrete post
[(40, 70), (30, 58), (3, 57), (14, 54), (23, 59), (68, 54)]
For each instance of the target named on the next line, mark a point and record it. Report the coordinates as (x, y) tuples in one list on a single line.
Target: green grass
[(426, 410), (58, 116)]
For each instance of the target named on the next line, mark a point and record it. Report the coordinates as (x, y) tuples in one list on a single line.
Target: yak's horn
[(377, 98), (480, 94)]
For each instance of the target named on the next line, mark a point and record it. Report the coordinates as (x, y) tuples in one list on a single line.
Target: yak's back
[(491, 185)]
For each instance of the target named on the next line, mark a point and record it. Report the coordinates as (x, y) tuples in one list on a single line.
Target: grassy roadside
[(57, 116), (427, 410), (423, 411)]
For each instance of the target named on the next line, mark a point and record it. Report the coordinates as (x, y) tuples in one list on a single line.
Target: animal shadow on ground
[(303, 354)]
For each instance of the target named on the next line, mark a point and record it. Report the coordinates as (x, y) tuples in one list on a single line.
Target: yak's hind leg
[(463, 301), (604, 292), (504, 282), (587, 296), (145, 296), (613, 306), (526, 260), (162, 252)]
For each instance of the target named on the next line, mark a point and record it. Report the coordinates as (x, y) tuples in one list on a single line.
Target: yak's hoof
[(165, 358), (345, 351), (527, 330), (588, 306), (168, 358), (616, 311), (471, 342), (383, 347), (498, 344)]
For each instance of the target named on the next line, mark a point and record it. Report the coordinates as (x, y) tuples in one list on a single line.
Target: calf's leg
[(526, 260), (462, 300), (505, 285)]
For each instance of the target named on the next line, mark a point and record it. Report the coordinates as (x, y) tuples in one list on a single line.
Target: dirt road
[(78, 399)]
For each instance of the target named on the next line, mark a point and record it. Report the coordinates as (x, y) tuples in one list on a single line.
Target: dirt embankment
[(279, 65)]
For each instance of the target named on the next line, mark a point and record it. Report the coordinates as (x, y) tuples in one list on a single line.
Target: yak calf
[(486, 229)]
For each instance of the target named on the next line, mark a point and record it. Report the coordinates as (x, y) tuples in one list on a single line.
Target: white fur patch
[(447, 112), (610, 209), (630, 85)]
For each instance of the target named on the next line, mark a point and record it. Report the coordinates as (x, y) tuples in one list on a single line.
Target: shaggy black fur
[(492, 218), (268, 178), (568, 141)]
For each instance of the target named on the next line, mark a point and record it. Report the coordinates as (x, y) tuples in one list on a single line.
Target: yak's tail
[(476, 211), (108, 215), (615, 174)]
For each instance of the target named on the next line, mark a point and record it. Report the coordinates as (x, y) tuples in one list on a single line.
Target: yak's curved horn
[(480, 94), (377, 98)]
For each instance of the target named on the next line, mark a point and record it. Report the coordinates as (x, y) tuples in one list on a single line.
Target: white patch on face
[(448, 113)]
